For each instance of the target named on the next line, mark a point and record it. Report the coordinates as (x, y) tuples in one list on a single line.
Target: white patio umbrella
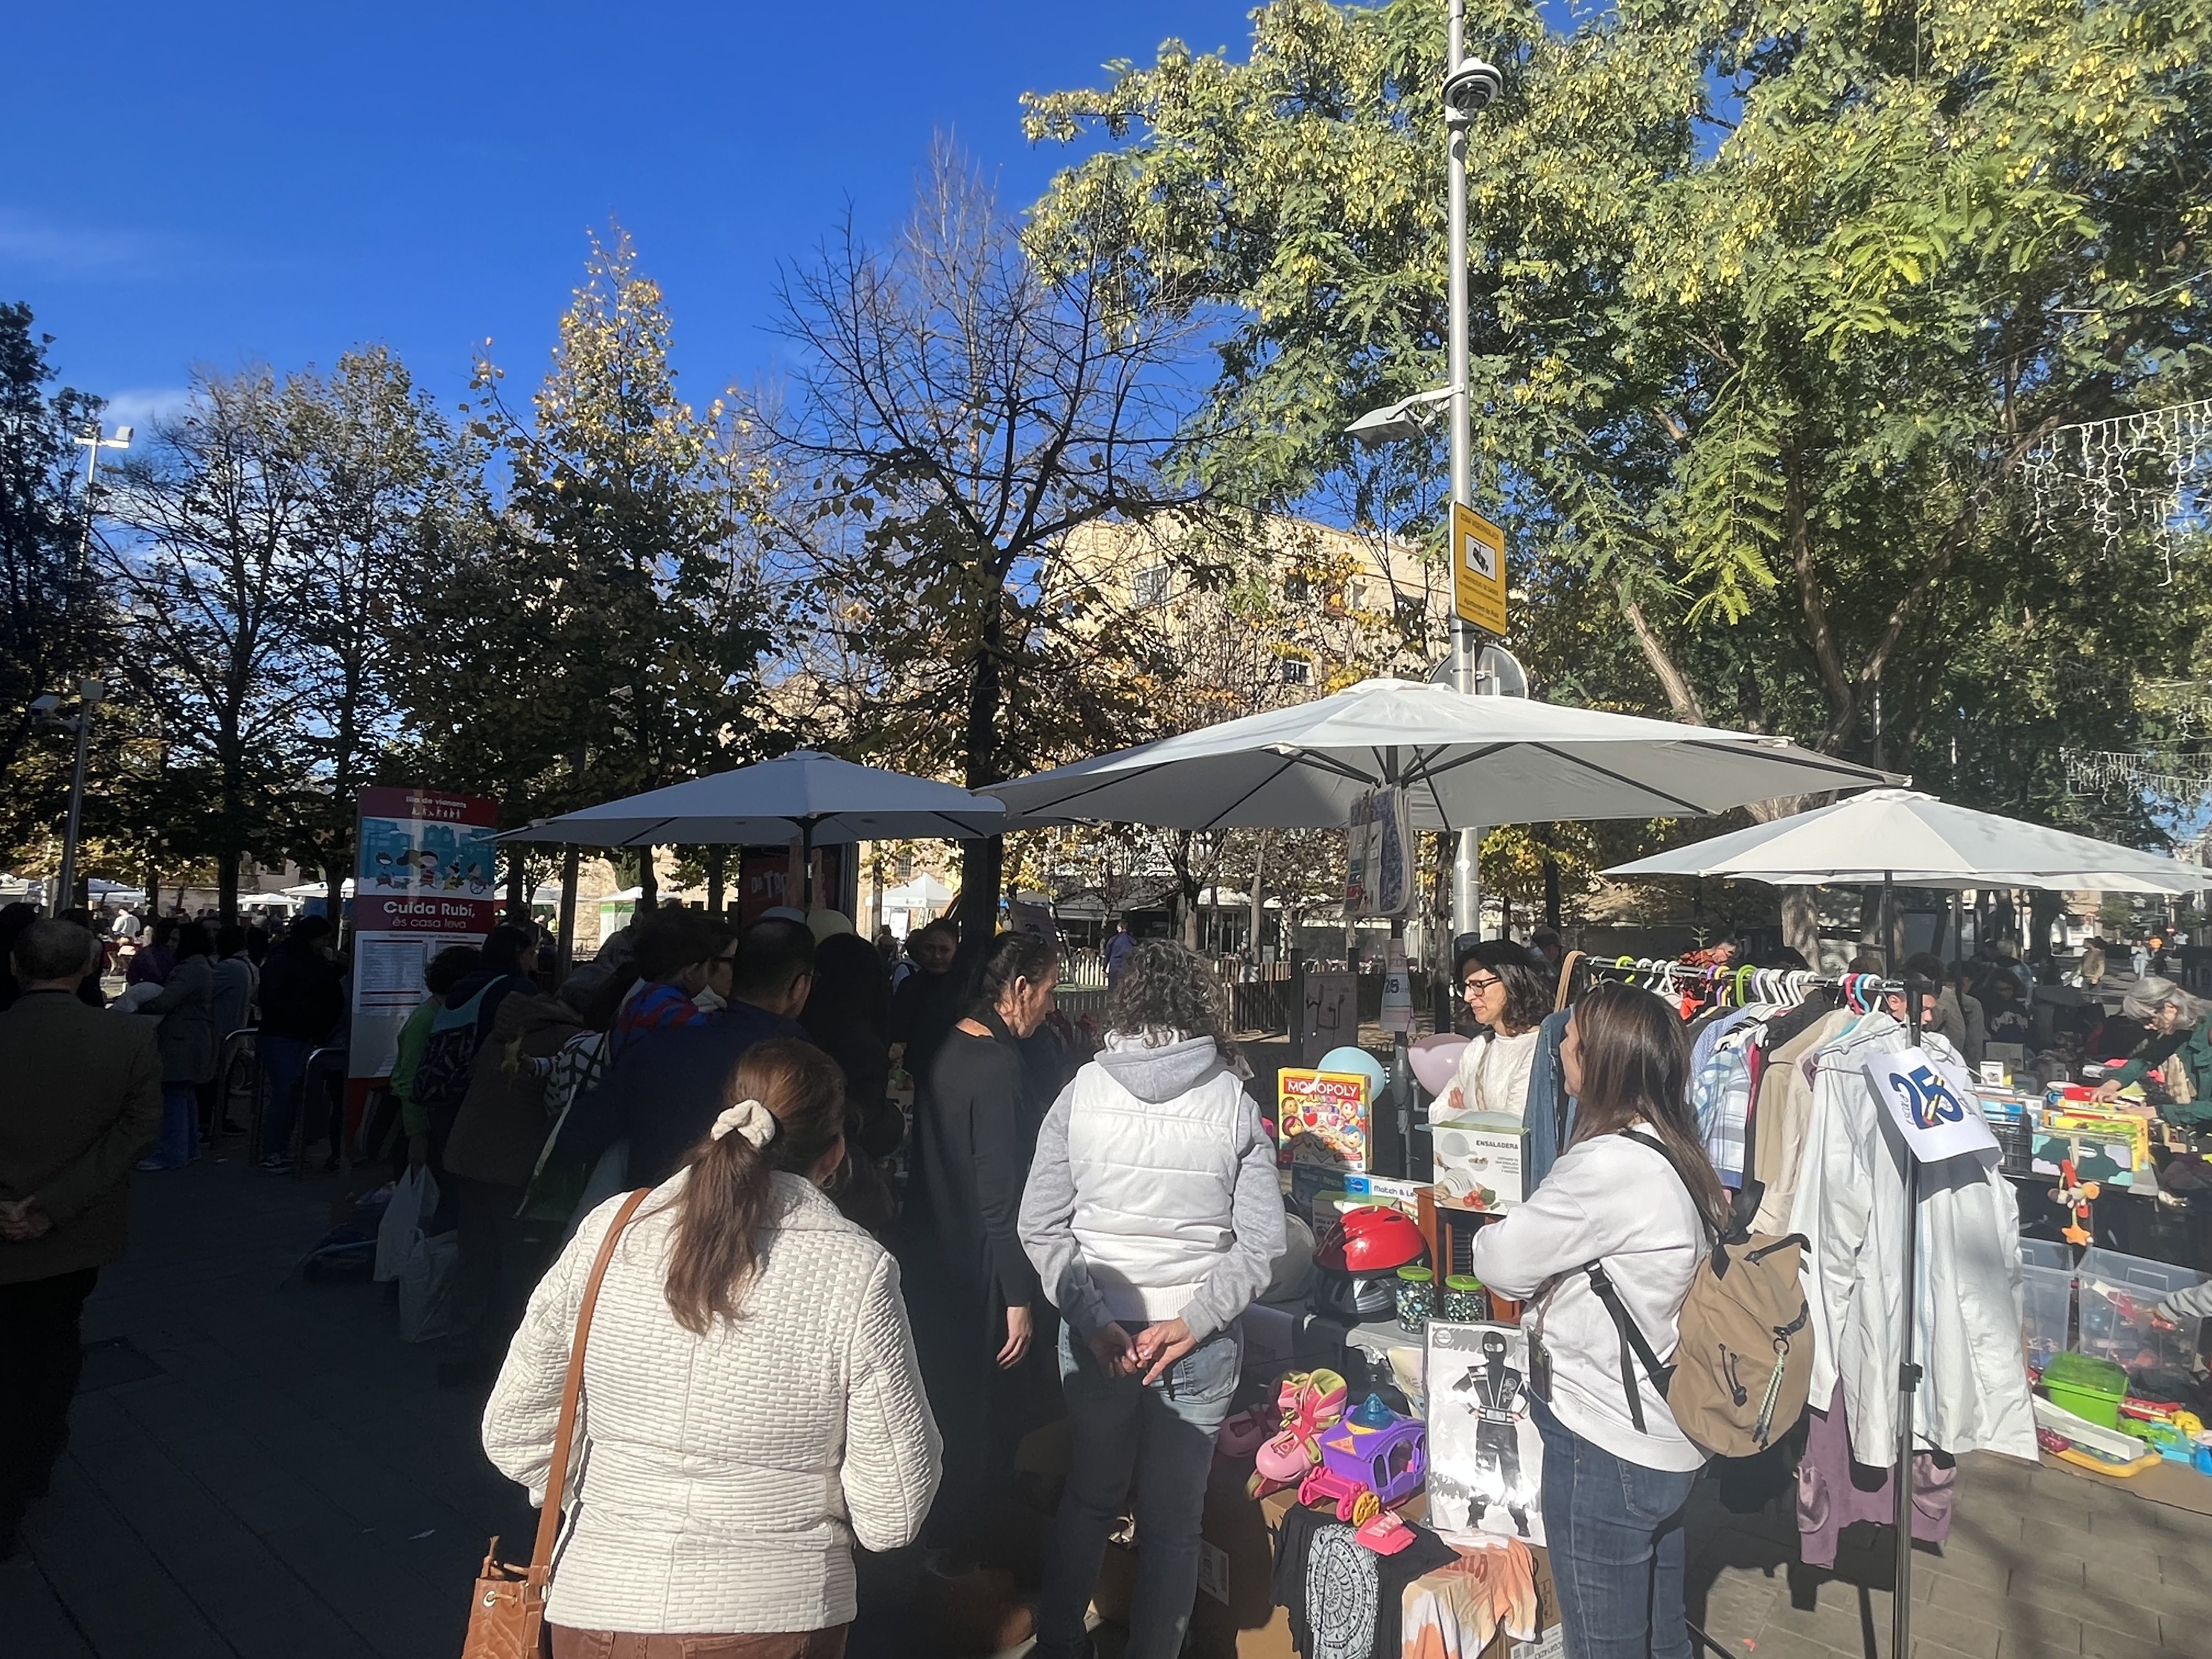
[(1462, 760), (1914, 840), (826, 801)]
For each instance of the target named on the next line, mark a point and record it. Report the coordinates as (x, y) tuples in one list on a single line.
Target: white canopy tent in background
[(1915, 840), (1463, 761)]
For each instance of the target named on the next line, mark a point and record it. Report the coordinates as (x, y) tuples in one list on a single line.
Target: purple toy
[(1374, 1458)]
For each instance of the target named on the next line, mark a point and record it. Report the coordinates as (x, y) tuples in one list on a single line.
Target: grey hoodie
[(1154, 1072)]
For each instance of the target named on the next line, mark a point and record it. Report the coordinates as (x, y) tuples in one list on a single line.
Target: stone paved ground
[(263, 1468)]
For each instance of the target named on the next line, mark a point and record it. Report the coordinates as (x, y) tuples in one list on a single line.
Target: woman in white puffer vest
[(1153, 1216)]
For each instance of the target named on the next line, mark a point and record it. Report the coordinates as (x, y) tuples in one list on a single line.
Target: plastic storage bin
[(2118, 1293), (2091, 1388), (2046, 1310)]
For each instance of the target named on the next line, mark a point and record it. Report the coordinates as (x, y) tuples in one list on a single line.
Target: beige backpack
[(1743, 1361)]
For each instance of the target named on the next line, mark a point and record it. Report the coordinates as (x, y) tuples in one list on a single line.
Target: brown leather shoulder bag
[(507, 1619)]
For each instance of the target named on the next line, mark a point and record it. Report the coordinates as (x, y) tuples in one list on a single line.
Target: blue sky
[(222, 183)]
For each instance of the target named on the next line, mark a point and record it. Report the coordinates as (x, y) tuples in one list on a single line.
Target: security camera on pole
[(1477, 547)]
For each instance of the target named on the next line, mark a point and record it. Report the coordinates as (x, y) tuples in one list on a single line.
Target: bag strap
[(1564, 992), (1632, 1338), (572, 1392)]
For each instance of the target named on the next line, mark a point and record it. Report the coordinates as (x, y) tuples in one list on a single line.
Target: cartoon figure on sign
[(1928, 1098), (1493, 1394)]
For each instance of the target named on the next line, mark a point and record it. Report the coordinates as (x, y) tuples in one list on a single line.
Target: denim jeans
[(284, 1070), (181, 1125), (1614, 1530), (1163, 1436)]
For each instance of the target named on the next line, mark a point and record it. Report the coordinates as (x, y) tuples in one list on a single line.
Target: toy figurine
[(2071, 1191), (1373, 1459)]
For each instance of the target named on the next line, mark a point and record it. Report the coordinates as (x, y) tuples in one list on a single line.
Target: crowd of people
[(825, 1321)]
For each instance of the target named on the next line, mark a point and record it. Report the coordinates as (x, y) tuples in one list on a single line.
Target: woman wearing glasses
[(1509, 993)]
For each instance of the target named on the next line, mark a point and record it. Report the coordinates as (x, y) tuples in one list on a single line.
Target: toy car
[(1372, 1459)]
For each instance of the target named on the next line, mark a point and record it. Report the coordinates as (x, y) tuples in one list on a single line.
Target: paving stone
[(2097, 1643), (2088, 1605), (32, 1617)]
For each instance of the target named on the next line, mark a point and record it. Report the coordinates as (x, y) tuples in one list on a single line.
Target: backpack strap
[(1632, 1339)]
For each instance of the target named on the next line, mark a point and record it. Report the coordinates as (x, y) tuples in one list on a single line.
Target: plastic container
[(2117, 1294), (1417, 1294), (1465, 1301), (2050, 1252), (2046, 1305), (2091, 1388)]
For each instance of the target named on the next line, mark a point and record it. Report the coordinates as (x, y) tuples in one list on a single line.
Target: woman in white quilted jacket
[(750, 1405)]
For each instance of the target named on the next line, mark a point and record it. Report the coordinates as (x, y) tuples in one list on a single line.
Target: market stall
[(1381, 1494), (2112, 1375)]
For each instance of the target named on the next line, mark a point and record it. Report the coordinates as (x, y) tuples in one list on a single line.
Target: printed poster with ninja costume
[(1486, 1456)]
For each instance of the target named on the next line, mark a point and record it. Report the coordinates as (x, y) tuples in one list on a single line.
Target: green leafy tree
[(211, 515), (56, 626), (1772, 304), (387, 493), (600, 633)]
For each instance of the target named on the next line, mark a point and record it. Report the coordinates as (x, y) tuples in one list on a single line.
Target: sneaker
[(154, 1165), (277, 1163)]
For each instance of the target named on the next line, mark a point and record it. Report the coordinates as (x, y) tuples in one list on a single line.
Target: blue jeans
[(284, 1070), (1162, 1436), (1614, 1529), (180, 1127)]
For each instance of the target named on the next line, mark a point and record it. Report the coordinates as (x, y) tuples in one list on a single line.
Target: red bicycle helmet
[(1372, 1239)]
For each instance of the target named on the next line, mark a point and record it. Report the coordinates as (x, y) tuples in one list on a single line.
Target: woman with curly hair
[(1153, 1216), (1509, 995)]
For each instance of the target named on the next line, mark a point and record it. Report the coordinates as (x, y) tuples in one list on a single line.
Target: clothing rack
[(1861, 990)]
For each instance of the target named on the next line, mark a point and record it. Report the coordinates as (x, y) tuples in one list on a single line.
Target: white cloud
[(50, 250), (144, 406)]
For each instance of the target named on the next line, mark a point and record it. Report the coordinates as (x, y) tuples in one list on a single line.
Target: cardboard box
[(1478, 1160)]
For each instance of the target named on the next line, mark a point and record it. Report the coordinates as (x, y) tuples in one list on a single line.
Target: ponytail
[(726, 1203), (1012, 957)]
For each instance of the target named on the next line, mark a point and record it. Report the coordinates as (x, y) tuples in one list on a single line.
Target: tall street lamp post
[(92, 442), (1470, 85), (89, 693)]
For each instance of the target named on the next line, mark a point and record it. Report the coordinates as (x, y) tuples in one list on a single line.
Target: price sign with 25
[(1931, 1102)]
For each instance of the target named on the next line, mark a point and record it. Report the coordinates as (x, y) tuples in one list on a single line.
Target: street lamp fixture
[(1394, 423), (46, 709), (93, 443)]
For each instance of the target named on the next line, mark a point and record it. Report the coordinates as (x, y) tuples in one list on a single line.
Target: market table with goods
[(1381, 1493)]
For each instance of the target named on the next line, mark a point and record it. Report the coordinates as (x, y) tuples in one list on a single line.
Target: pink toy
[(1310, 1403), (1373, 1459)]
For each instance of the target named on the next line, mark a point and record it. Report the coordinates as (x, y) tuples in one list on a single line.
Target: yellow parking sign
[(1478, 556)]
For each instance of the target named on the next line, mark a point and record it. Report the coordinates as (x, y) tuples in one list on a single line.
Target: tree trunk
[(715, 859), (517, 895), (1258, 882), (648, 884), (1552, 894), (982, 873), (1801, 924), (982, 863), (226, 883)]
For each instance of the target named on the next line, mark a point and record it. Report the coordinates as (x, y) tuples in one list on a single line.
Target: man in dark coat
[(82, 1104), (664, 1094)]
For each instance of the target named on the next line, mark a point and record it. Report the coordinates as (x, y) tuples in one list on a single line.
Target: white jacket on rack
[(722, 1478), (1849, 1205)]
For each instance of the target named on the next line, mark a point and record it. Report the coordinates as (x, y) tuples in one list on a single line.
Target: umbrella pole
[(1889, 933), (806, 864), (1908, 1380)]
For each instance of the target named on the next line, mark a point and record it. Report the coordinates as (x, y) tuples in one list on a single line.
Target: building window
[(1151, 586), (1298, 590), (1296, 671)]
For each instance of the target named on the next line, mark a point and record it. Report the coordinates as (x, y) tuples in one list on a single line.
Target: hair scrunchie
[(749, 1118)]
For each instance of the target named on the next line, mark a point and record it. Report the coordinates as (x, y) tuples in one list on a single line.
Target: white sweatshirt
[(1493, 1074), (1607, 1199)]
